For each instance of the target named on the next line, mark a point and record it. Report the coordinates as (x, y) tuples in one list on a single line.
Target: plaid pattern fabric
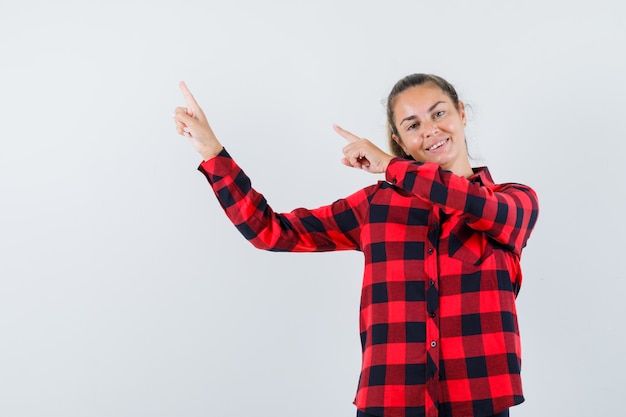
[(438, 322)]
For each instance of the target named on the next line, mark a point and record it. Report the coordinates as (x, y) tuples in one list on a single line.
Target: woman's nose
[(429, 129)]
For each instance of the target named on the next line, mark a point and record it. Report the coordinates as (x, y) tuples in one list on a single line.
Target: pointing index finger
[(189, 99), (350, 137)]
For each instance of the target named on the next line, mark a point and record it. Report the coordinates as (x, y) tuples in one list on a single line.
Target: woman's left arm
[(505, 212)]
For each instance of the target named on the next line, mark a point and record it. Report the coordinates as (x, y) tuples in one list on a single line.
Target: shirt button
[(430, 251), (432, 314), (433, 344), (435, 225), (431, 282)]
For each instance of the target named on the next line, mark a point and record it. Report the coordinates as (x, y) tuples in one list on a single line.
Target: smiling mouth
[(438, 144)]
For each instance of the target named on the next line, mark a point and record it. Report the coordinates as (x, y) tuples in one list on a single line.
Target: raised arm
[(327, 228)]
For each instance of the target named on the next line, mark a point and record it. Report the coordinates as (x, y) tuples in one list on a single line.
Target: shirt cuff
[(217, 167), (397, 169)]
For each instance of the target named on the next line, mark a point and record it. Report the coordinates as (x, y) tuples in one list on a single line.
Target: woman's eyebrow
[(431, 108), (408, 118), (413, 117)]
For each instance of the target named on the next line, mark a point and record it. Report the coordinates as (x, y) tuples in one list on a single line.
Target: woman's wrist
[(211, 152)]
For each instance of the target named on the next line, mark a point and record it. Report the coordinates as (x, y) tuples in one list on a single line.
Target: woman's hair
[(405, 83)]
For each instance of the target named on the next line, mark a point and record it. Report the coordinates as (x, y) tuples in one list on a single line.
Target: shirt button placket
[(432, 305)]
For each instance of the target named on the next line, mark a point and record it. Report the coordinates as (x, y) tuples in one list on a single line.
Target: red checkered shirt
[(438, 322)]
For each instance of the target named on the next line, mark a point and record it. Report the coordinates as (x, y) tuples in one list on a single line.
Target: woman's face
[(430, 128)]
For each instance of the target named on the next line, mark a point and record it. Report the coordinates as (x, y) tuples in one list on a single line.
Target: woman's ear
[(398, 141), (462, 112)]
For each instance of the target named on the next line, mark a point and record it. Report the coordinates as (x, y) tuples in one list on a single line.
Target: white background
[(125, 291)]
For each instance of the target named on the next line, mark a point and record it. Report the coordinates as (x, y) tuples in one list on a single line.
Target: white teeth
[(437, 145)]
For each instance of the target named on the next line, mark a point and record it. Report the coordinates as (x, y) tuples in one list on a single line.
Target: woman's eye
[(412, 126), (439, 114)]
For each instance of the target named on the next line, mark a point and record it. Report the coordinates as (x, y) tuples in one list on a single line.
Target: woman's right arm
[(332, 227), (327, 228)]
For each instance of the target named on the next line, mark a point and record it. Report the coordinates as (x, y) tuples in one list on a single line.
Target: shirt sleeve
[(327, 228), (505, 212)]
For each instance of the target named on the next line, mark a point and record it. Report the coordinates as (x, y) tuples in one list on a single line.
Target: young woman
[(441, 243)]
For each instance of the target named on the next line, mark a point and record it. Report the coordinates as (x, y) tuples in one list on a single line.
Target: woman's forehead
[(421, 98)]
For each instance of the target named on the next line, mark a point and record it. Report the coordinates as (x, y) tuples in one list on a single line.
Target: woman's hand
[(363, 154), (192, 122)]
